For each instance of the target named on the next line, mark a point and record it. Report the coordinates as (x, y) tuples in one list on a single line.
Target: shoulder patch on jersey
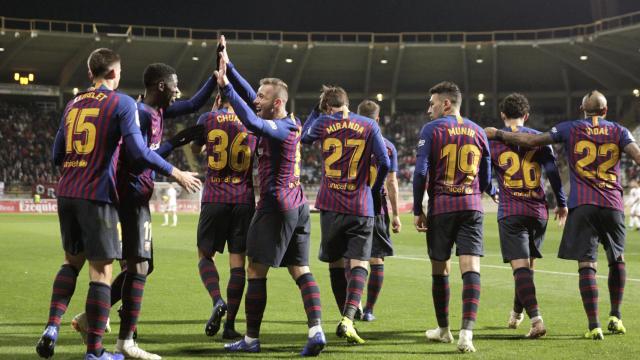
[(554, 130), (421, 142), (272, 124)]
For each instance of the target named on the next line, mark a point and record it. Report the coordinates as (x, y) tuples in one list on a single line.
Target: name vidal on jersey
[(597, 131), (345, 125)]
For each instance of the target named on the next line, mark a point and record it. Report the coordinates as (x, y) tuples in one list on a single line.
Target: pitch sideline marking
[(508, 268)]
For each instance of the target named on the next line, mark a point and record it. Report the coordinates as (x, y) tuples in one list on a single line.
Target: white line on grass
[(507, 267)]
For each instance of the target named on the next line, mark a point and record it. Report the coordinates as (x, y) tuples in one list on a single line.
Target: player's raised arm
[(241, 85), (519, 138), (194, 103), (311, 133)]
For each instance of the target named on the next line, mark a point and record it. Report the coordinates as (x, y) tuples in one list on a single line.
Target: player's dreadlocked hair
[(154, 73), (515, 106), (369, 108)]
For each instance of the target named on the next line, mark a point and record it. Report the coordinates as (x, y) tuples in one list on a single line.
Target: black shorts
[(381, 245), (222, 224), (462, 228), (521, 237), (89, 227), (279, 238), (136, 230), (345, 236), (586, 226)]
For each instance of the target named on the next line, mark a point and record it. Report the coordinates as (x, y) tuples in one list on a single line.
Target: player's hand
[(221, 74), (222, 45), (561, 214), (491, 132), (496, 198), (187, 135), (396, 225), (187, 180), (420, 222)]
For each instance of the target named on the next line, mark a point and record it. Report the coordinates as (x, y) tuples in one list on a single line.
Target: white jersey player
[(171, 206), (633, 200)]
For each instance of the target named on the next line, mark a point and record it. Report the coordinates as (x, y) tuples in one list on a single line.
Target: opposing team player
[(135, 188), (522, 211), (93, 125), (228, 204), (453, 161), (171, 206), (593, 146), (279, 231), (633, 201), (382, 245), (345, 199)]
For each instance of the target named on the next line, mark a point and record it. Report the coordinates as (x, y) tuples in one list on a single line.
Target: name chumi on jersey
[(345, 125), (461, 130), (597, 131)]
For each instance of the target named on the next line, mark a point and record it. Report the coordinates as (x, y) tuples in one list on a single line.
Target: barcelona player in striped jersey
[(279, 231), (454, 165), (345, 199), (596, 211), (135, 188), (382, 245), (228, 204), (86, 147), (522, 211)]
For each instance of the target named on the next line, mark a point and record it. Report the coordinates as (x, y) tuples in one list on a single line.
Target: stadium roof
[(542, 63)]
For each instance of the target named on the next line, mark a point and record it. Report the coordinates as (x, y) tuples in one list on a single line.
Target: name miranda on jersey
[(345, 125), (461, 130)]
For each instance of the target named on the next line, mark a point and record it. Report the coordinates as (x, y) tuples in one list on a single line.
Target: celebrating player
[(345, 198), (453, 161), (93, 124), (228, 205), (593, 147), (522, 212), (279, 231)]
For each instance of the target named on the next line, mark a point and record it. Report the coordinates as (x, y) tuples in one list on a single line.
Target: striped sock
[(116, 287), (97, 310), (254, 304), (517, 305), (374, 285), (132, 291), (354, 291), (235, 289), (441, 294), (210, 278), (589, 294), (526, 290), (470, 298), (64, 285), (339, 286), (310, 298), (617, 279)]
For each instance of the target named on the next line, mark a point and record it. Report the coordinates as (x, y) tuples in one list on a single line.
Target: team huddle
[(110, 147)]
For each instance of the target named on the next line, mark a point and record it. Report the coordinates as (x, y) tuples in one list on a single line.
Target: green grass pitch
[(176, 304)]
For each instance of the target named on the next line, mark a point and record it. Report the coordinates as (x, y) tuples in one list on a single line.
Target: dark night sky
[(327, 15)]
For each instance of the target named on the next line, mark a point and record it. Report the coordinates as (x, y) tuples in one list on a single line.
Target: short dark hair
[(101, 60), (448, 90), (333, 96), (515, 106), (369, 108), (154, 73)]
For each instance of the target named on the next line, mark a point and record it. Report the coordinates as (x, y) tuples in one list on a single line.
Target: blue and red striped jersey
[(348, 142), (135, 181), (91, 129), (593, 148), (230, 153), (278, 156), (454, 164), (519, 174)]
